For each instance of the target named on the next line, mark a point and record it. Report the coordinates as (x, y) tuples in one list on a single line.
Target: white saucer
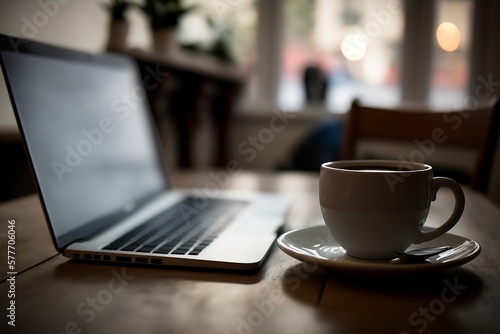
[(315, 245)]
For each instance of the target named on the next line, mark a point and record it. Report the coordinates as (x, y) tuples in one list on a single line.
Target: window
[(355, 43), (451, 47), (234, 21)]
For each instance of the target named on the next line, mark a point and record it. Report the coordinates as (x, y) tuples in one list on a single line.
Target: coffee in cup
[(376, 208)]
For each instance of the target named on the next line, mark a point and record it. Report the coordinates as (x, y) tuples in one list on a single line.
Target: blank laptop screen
[(89, 136)]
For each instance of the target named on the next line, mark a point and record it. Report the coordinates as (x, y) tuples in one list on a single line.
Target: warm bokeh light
[(448, 36), (353, 47)]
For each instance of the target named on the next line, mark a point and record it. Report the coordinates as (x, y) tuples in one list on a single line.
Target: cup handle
[(437, 183)]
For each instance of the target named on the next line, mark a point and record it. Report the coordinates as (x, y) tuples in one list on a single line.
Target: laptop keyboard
[(186, 228)]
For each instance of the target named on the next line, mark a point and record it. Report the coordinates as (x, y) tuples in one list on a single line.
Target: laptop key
[(146, 249), (181, 250), (131, 247), (183, 231)]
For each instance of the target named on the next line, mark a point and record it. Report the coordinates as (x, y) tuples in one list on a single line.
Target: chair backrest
[(474, 128)]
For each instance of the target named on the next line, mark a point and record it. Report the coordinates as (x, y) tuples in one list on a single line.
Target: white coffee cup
[(376, 208)]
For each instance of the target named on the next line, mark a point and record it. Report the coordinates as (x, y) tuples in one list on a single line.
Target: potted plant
[(219, 48), (118, 27), (164, 16)]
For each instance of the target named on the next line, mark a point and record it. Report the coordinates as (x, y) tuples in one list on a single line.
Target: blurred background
[(306, 57)]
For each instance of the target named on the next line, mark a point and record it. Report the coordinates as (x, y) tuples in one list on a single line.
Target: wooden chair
[(471, 129)]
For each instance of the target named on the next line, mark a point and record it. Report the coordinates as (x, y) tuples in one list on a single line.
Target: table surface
[(54, 294)]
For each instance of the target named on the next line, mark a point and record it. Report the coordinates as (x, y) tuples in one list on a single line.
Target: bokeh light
[(353, 47), (448, 36)]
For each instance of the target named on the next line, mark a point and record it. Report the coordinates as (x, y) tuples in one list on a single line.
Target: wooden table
[(56, 295)]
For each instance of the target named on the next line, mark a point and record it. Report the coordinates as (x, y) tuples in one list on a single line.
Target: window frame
[(418, 40)]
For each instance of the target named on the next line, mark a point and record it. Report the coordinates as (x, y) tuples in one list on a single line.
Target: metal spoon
[(418, 255)]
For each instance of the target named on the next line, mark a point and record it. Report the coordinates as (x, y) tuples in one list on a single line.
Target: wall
[(76, 24), (264, 140)]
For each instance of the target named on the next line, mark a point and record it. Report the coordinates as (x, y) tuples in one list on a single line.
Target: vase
[(117, 39), (165, 40)]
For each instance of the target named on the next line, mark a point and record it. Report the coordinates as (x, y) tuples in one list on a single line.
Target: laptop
[(99, 169)]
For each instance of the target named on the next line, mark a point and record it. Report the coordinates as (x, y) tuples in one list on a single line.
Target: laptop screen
[(90, 138)]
